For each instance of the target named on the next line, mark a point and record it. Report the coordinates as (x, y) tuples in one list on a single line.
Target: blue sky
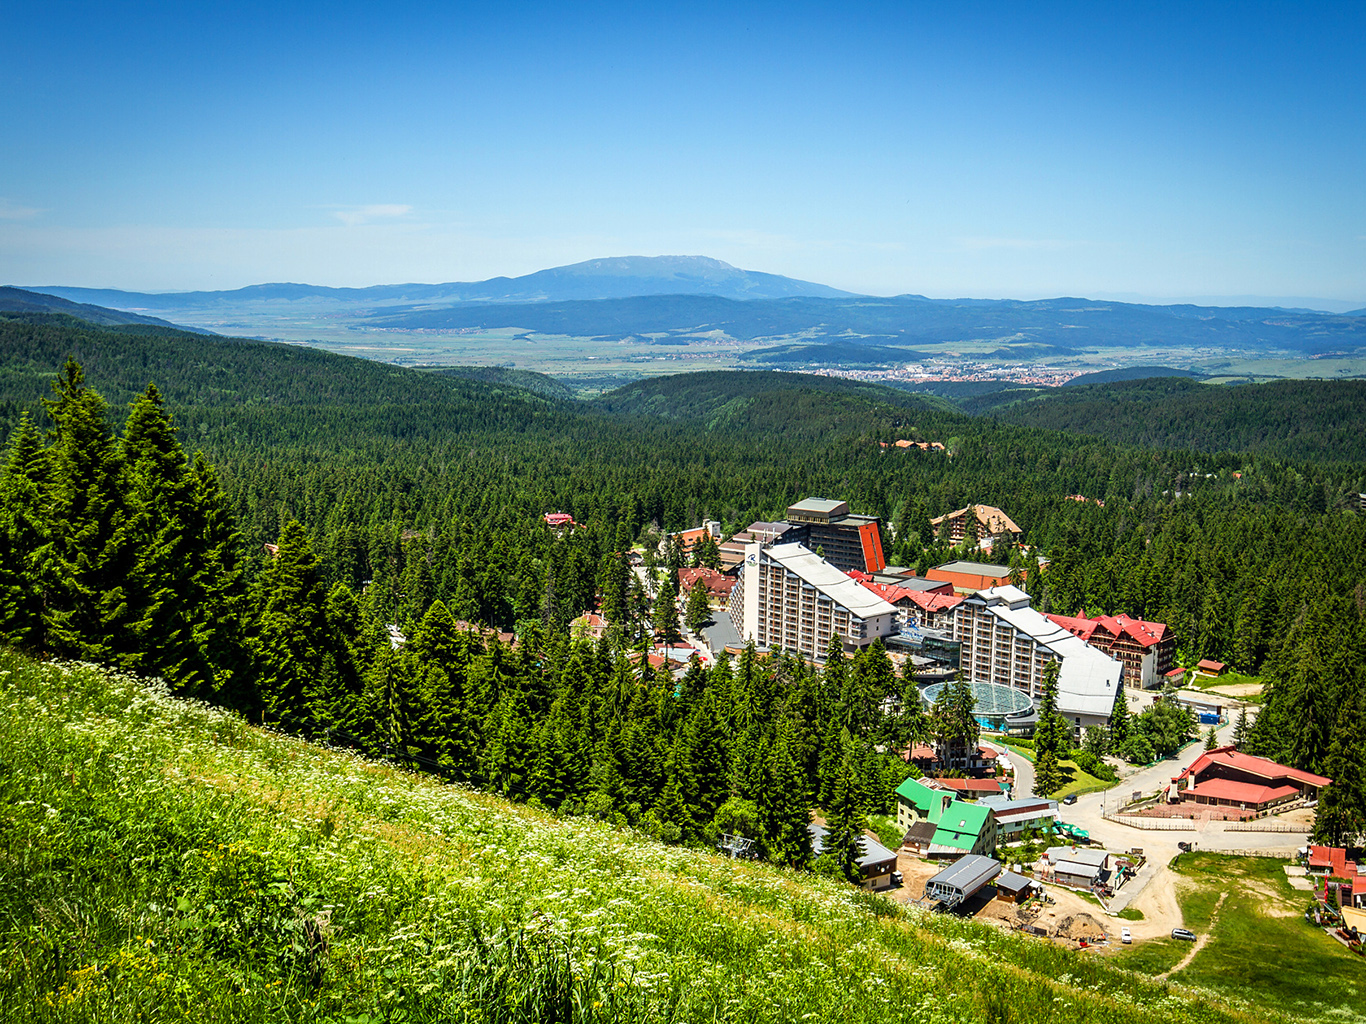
[(1158, 150)]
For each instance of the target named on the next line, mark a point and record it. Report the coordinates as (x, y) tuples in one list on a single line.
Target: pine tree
[(1340, 818), (1047, 736), (218, 666), (698, 612), (1240, 729), (783, 811), (87, 561), (666, 615), (1119, 720), (289, 642), (1047, 775), (23, 530), (846, 819), (160, 586)]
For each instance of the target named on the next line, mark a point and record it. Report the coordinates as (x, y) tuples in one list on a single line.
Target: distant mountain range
[(613, 278), (671, 300), (19, 300)]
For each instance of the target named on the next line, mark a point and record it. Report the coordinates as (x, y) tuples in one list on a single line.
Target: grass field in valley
[(1259, 947), (161, 860)]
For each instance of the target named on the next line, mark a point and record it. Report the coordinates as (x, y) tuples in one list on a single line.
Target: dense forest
[(394, 496), (1290, 419)]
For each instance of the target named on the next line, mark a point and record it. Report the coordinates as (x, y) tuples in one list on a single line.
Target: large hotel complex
[(822, 574)]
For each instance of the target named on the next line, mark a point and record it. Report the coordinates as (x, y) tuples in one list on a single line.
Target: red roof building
[(718, 584), (559, 520), (971, 789), (1146, 649), (1211, 667), (1223, 777), (924, 608), (1332, 859)]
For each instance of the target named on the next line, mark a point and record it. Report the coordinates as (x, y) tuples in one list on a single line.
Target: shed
[(876, 863), (962, 879), (1077, 867), (1013, 888), (919, 837)]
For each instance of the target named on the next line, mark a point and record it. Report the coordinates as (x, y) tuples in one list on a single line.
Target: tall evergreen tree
[(846, 817), (783, 811), (1340, 818), (88, 558), (289, 644), (23, 532)]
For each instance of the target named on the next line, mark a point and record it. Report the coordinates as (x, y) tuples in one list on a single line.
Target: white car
[(1125, 935)]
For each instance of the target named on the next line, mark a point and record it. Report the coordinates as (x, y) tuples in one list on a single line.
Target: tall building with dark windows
[(847, 542)]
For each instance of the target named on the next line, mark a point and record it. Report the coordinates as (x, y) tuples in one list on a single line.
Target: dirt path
[(1198, 944), (1157, 901)]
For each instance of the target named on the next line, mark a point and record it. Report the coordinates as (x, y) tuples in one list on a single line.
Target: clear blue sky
[(1184, 149)]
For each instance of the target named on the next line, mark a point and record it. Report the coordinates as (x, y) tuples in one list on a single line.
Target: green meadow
[(162, 860)]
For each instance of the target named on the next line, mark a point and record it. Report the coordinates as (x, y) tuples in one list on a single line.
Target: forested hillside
[(1291, 419), (401, 497)]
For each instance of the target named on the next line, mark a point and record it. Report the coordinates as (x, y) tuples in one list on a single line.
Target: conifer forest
[(255, 523)]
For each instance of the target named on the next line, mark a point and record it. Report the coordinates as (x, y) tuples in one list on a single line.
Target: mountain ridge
[(603, 278)]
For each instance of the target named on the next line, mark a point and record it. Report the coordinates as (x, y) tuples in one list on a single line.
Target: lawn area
[(1079, 781), (1260, 951)]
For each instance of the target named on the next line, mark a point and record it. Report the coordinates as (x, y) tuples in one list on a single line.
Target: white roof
[(1076, 867), (1077, 855), (1088, 679), (839, 587)]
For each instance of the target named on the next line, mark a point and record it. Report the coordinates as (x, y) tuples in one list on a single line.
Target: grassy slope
[(163, 861), (1260, 948)]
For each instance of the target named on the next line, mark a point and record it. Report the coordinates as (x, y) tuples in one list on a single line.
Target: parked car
[(1126, 936), (1184, 934), (1070, 799), (896, 877)]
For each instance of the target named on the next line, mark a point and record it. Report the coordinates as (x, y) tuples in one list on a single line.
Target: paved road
[(1159, 846)]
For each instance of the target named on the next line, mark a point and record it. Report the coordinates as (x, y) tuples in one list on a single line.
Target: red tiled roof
[(1209, 665), (920, 752), (971, 785), (718, 584), (1259, 766), (1146, 634), (558, 519), (935, 602), (1239, 792)]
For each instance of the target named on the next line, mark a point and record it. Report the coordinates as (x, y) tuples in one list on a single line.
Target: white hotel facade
[(788, 596)]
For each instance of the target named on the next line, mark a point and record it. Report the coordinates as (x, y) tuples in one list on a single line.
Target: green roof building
[(920, 800), (964, 828)]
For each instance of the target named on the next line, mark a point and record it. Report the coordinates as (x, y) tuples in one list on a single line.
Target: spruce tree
[(1119, 720), (1240, 729), (666, 615), (23, 532), (289, 642), (698, 612), (1340, 818), (783, 811), (1047, 775), (846, 819), (88, 559)]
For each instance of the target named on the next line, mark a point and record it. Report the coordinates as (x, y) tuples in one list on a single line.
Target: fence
[(1269, 854), (1264, 826), (1154, 824)]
